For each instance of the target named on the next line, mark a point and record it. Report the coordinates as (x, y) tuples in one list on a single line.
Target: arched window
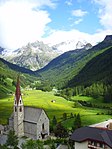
[(43, 126), (20, 101), (20, 109), (15, 109)]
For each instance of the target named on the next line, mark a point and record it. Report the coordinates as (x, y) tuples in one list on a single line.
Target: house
[(28, 121), (92, 138)]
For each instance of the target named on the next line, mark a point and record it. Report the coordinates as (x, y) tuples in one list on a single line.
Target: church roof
[(18, 91), (32, 114)]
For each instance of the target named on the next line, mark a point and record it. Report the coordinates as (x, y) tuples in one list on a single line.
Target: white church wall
[(43, 120), (30, 130)]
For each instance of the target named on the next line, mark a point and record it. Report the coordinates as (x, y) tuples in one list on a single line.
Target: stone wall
[(42, 122), (30, 130)]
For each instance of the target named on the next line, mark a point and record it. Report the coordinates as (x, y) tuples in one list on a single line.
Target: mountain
[(32, 56), (97, 69), (36, 55), (66, 66), (8, 76), (70, 45)]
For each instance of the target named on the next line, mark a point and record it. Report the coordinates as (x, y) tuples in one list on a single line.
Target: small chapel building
[(28, 121)]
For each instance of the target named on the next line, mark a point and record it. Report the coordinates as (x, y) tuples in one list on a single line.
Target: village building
[(92, 138), (28, 121)]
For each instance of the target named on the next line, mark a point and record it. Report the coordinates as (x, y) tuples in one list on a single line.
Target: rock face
[(36, 55), (32, 56)]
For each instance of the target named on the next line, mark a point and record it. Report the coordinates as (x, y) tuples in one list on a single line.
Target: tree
[(77, 122), (31, 144), (3, 146), (54, 121), (60, 131), (12, 139), (64, 116), (71, 115)]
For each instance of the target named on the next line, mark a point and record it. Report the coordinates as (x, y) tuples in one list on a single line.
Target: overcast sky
[(53, 21)]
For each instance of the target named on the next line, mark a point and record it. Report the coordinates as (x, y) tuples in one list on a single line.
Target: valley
[(40, 99), (76, 82)]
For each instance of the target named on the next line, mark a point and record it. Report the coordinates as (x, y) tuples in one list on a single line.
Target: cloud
[(79, 13), (78, 21), (68, 2), (105, 12), (57, 36), (22, 22)]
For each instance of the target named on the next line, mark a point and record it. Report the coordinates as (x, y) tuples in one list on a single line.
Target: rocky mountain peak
[(81, 45), (32, 56)]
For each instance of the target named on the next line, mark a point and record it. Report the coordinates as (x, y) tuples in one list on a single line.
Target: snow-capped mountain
[(33, 56), (37, 54), (71, 45)]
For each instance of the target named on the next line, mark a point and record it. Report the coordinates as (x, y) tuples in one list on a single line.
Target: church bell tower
[(18, 111)]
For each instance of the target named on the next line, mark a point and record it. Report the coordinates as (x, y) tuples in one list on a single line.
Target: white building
[(92, 138), (28, 121)]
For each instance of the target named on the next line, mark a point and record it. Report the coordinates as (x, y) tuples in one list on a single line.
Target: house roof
[(32, 114), (92, 133)]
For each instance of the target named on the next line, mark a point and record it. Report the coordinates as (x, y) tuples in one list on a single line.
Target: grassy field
[(44, 100)]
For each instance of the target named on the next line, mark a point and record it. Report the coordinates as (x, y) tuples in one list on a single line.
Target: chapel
[(28, 121)]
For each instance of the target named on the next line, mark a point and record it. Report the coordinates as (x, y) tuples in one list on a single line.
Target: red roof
[(18, 91)]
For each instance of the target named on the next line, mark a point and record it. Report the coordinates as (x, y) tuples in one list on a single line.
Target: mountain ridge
[(61, 69), (36, 55)]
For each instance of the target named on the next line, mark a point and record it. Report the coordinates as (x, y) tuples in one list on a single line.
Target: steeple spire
[(18, 91)]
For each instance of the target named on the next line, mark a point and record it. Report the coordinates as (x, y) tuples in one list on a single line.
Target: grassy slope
[(43, 100), (97, 69), (9, 73)]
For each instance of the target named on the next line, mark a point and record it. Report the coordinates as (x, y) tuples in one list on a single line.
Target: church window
[(43, 126), (15, 109), (20, 109), (20, 101)]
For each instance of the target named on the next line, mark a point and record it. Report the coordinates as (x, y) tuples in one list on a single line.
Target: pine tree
[(12, 139), (77, 122), (64, 116), (54, 121)]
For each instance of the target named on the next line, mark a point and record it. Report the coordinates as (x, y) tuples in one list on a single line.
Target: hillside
[(97, 69), (8, 76), (63, 68), (37, 98)]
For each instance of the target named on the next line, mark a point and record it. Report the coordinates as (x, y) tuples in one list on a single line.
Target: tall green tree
[(54, 121), (64, 116), (12, 139), (77, 122), (60, 131)]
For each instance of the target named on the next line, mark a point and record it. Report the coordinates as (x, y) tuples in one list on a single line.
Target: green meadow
[(40, 99)]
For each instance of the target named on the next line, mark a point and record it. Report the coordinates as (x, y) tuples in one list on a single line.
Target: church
[(28, 121)]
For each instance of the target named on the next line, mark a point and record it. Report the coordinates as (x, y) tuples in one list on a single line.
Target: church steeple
[(18, 91), (18, 111)]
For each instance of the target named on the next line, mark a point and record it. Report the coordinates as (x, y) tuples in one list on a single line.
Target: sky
[(53, 21)]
